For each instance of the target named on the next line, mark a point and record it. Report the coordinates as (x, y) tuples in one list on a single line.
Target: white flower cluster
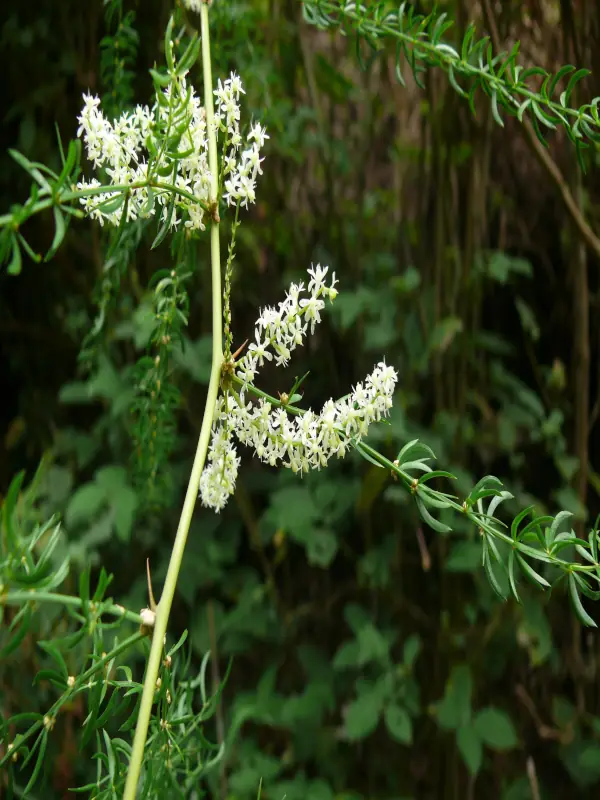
[(299, 442), (218, 478), (283, 329), (168, 143), (240, 170)]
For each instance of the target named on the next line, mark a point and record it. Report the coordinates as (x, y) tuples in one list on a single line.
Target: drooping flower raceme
[(218, 478), (279, 331), (241, 166), (300, 441), (168, 145)]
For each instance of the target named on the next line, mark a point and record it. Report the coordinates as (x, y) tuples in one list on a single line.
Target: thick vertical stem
[(166, 600)]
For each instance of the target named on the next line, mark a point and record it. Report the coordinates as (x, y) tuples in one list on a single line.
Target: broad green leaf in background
[(321, 547), (495, 729), (464, 557), (454, 710), (85, 503), (361, 716), (398, 722), (470, 747)]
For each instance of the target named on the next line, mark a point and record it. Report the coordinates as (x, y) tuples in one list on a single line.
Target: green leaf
[(8, 509), (411, 650), (438, 526), (495, 112), (489, 483), (488, 545), (15, 264), (362, 715), (159, 78), (412, 450), (21, 623), (40, 745), (580, 611), (399, 724), (60, 228), (112, 478), (373, 645), (359, 447), (562, 72), (112, 204), (502, 267), (495, 729), (528, 320), (552, 531), (577, 76), (169, 44), (166, 224), (408, 282), (356, 617), (347, 656), (531, 574), (511, 576), (583, 762), (124, 505), (464, 557), (454, 710), (194, 358), (444, 333), (30, 168), (293, 510), (322, 547), (437, 473), (470, 747), (189, 56), (55, 653), (85, 503)]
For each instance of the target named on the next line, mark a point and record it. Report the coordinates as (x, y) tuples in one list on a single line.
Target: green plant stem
[(20, 597), (166, 600)]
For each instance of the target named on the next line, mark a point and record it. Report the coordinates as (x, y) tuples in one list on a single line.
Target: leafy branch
[(49, 192), (510, 549), (421, 41), (78, 663), (157, 398)]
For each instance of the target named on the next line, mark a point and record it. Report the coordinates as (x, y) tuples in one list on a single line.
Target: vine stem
[(166, 600)]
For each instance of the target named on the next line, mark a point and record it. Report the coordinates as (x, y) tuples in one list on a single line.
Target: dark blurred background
[(365, 644)]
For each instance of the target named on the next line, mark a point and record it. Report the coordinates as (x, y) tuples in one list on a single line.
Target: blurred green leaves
[(106, 504)]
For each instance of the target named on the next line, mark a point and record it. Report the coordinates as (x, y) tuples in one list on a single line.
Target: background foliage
[(371, 657)]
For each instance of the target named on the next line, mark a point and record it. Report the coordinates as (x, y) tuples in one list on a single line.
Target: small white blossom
[(148, 617)]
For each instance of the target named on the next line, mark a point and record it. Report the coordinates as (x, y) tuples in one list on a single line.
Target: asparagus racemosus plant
[(185, 163)]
